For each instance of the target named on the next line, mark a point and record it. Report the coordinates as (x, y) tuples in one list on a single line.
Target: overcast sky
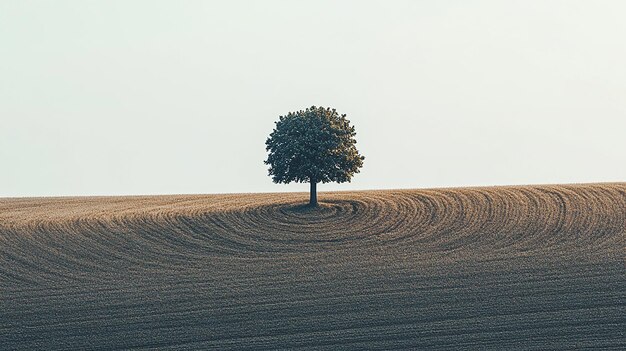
[(163, 97)]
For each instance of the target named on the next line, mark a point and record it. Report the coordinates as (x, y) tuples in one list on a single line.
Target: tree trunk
[(313, 198)]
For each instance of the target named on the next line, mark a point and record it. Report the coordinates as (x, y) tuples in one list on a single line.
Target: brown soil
[(525, 267)]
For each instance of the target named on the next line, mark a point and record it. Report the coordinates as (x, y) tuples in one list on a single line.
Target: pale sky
[(170, 97)]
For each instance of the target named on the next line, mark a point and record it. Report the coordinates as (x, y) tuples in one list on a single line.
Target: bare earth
[(527, 267)]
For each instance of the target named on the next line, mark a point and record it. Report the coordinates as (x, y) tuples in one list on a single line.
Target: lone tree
[(314, 145)]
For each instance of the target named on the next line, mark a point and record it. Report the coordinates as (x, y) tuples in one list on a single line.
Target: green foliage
[(313, 145)]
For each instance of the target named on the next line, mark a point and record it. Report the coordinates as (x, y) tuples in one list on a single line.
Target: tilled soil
[(521, 267)]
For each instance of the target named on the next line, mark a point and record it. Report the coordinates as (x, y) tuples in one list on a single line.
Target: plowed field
[(521, 267)]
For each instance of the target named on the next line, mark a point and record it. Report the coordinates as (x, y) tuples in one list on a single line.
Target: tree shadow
[(307, 208)]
